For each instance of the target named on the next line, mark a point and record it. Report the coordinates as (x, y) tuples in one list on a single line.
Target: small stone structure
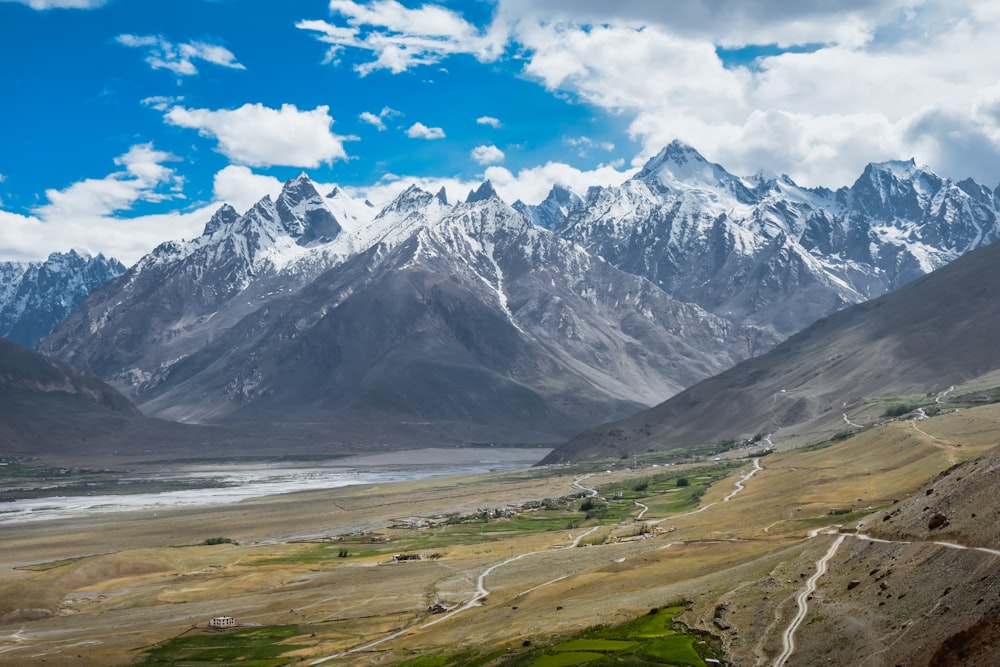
[(222, 622)]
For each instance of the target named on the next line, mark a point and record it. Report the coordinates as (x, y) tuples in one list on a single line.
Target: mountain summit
[(303, 213), (680, 167)]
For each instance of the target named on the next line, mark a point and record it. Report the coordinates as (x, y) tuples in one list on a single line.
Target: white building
[(222, 622)]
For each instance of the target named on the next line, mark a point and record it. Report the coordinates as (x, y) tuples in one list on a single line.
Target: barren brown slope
[(937, 331), (65, 415), (918, 583), (44, 402)]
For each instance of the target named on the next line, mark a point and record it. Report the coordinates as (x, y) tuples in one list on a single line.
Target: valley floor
[(748, 556)]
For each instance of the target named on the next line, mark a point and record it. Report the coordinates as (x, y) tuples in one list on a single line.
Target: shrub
[(898, 409), (219, 540), (683, 481)]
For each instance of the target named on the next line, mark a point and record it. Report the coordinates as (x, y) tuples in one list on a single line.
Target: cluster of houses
[(463, 517), (362, 536), (654, 531)]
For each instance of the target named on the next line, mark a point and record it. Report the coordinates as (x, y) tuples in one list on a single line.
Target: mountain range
[(767, 252), (476, 321), (426, 321), (934, 333), (35, 296)]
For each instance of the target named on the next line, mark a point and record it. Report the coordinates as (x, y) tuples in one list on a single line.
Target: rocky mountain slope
[(46, 403), (768, 252), (959, 506), (431, 321), (35, 296), (551, 211), (61, 414), (936, 332)]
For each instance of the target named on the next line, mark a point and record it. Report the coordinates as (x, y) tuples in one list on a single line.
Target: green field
[(654, 639), (252, 647)]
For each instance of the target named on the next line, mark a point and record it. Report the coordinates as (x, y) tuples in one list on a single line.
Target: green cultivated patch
[(566, 659), (653, 639), (468, 658), (650, 640), (603, 645), (676, 650), (249, 647), (837, 515), (661, 491), (900, 409)]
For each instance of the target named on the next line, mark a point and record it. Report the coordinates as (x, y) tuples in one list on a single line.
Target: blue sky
[(126, 122)]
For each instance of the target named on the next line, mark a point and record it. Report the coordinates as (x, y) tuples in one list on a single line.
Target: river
[(193, 485)]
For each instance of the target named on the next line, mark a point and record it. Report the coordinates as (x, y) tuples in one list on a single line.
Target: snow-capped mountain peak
[(679, 165), (35, 296), (304, 214), (412, 197), (225, 216), (636, 290), (895, 189), (680, 169), (442, 196), (482, 193), (553, 210)]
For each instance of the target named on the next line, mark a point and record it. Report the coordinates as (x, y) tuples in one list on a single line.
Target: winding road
[(788, 636), (576, 484), (739, 486), (739, 483), (802, 598), (850, 423)]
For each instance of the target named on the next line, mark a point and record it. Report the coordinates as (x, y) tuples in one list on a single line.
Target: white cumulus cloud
[(421, 131), (529, 185), (241, 188), (814, 89), (92, 215), (179, 58), (489, 120), (872, 81), (257, 135), (142, 179), (378, 120), (487, 154), (399, 37)]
